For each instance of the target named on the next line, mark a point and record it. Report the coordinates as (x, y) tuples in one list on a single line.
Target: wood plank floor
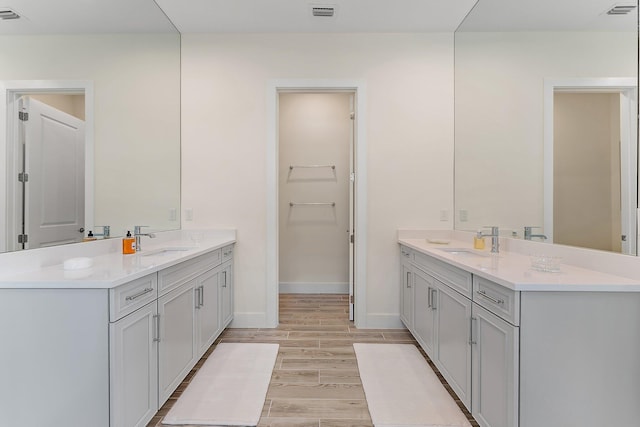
[(315, 381)]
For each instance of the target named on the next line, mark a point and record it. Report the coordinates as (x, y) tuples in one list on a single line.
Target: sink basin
[(166, 251), (464, 252)]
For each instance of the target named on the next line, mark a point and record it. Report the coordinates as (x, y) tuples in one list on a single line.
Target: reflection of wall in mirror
[(136, 81), (499, 114), (586, 193), (70, 104)]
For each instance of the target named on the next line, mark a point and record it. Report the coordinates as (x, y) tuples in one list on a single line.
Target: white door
[(628, 171), (53, 159), (352, 187)]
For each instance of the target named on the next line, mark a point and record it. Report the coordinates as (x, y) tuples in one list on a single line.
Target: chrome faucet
[(106, 231), (495, 238), (138, 234), (528, 235)]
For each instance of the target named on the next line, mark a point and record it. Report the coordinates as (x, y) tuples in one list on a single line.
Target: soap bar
[(78, 263)]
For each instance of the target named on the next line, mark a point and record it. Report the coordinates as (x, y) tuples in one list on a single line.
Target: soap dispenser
[(128, 244), (90, 237), (478, 240)]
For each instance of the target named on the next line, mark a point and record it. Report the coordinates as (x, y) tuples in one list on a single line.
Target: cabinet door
[(406, 296), (226, 295), (454, 351), (207, 315), (176, 349), (494, 363), (424, 311), (133, 363)]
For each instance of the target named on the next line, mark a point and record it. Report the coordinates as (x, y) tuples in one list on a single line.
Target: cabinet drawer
[(451, 276), (227, 253), (172, 277), (499, 300), (131, 296)]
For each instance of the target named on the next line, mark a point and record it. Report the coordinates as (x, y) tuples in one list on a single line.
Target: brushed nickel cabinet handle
[(139, 294), (494, 300), (473, 326), (156, 324)]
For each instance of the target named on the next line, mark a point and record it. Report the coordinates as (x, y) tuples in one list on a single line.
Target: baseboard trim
[(313, 288), (383, 321), (249, 320)]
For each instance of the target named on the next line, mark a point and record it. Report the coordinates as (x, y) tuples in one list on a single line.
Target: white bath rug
[(229, 389), (402, 390)]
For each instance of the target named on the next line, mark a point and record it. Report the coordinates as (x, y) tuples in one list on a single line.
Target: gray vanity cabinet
[(438, 316), (177, 349), (425, 315), (406, 288), (495, 369), (453, 355), (552, 358), (226, 288), (134, 367), (154, 347), (207, 309)]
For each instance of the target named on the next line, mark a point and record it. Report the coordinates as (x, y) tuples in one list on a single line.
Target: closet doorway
[(316, 177)]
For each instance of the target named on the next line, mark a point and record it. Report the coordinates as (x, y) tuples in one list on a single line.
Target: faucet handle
[(137, 228)]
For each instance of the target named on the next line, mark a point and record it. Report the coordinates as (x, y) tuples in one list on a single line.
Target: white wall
[(409, 84), (499, 114), (314, 129)]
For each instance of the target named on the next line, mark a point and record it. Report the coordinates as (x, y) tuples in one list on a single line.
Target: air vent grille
[(8, 14), (621, 9), (324, 11)]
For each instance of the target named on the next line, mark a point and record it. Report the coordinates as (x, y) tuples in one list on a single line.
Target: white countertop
[(513, 270), (113, 269)]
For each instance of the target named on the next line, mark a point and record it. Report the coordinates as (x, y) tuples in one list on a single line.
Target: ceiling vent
[(621, 9), (8, 14), (323, 11)]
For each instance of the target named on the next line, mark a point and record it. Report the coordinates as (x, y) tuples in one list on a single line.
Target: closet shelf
[(312, 204), (312, 166)]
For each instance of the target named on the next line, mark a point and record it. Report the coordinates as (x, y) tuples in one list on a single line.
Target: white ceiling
[(192, 16), (199, 16), (84, 16), (549, 15)]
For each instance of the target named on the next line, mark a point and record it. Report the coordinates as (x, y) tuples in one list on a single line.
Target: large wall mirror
[(107, 74), (546, 121)]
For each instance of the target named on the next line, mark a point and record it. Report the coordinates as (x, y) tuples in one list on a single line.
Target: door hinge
[(23, 177), (23, 116), (352, 238), (352, 177), (351, 299), (352, 116), (624, 237), (23, 238)]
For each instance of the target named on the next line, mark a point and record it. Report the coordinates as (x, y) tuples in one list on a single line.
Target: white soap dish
[(78, 263), (439, 241)]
